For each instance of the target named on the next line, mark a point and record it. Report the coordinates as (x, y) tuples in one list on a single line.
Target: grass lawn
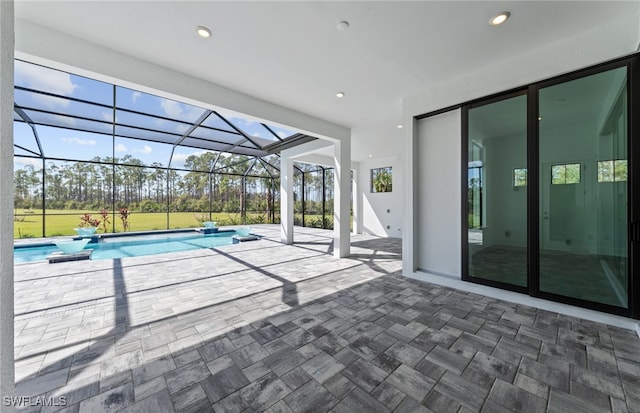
[(63, 222)]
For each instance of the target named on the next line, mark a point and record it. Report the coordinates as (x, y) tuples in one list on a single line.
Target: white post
[(342, 193), (409, 236), (286, 198), (7, 40), (357, 201)]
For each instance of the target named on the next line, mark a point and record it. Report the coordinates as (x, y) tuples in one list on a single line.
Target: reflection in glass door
[(497, 191), (583, 188)]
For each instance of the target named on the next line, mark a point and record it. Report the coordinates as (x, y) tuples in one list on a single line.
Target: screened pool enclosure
[(135, 161)]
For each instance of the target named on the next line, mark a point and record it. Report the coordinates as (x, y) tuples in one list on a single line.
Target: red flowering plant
[(105, 220), (124, 217), (86, 221)]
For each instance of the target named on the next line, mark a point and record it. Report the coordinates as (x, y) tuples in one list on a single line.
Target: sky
[(70, 144)]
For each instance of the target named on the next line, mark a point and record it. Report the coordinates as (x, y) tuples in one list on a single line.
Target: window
[(612, 171), (568, 173), (520, 177), (381, 179)]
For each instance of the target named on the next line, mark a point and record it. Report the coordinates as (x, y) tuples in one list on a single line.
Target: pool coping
[(49, 241)]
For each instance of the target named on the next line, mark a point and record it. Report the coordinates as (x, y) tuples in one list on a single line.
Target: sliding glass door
[(497, 191), (549, 204), (583, 198)]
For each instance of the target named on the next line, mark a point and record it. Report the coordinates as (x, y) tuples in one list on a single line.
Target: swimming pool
[(132, 246)]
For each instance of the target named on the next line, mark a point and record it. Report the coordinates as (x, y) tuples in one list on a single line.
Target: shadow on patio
[(318, 333)]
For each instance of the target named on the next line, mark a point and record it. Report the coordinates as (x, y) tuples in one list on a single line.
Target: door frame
[(632, 63)]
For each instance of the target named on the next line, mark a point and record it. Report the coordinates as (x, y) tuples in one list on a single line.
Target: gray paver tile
[(462, 390), (364, 374), (310, 397), (185, 376), (338, 385), (153, 369), (110, 401), (448, 359), (218, 336), (515, 399), (152, 386), (322, 366), (561, 402), (360, 401), (409, 405), (265, 392), (227, 381), (411, 382), (158, 403)]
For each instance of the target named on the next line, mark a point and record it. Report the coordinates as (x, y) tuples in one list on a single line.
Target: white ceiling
[(292, 54)]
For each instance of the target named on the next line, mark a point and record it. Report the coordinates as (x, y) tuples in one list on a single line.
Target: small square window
[(520, 177), (565, 174), (381, 179), (612, 171)]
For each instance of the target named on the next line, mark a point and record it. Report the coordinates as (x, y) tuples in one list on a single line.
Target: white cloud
[(45, 79), (21, 162), (65, 120), (121, 148), (79, 141), (182, 128), (181, 157), (146, 149), (172, 108), (256, 134), (107, 116), (281, 134), (135, 96), (180, 111)]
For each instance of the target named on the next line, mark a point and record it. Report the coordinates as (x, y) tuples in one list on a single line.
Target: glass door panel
[(583, 188), (497, 191)]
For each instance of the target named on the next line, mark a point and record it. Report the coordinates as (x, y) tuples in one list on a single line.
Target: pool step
[(60, 256), (237, 239)]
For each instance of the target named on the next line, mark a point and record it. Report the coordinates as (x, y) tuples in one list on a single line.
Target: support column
[(342, 191), (7, 372), (286, 198), (357, 201)]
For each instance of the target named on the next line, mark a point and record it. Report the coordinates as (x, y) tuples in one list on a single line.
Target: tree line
[(238, 183)]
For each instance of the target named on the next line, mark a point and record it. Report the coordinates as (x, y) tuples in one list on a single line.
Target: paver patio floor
[(262, 326)]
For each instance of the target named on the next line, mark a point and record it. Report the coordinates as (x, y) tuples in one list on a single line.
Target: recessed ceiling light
[(499, 18), (340, 94), (400, 126), (203, 31), (370, 155), (343, 25)]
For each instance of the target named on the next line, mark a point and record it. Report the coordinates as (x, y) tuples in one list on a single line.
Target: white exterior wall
[(7, 372), (439, 196), (381, 212)]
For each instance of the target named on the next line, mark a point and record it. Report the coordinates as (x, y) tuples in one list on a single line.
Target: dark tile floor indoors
[(262, 326)]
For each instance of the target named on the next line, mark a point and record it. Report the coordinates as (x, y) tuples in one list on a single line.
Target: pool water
[(133, 246)]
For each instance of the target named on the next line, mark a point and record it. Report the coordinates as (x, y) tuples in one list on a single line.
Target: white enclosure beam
[(286, 198)]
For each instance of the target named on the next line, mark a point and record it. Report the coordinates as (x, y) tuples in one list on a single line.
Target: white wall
[(432, 153), (439, 195), (505, 206), (7, 371), (382, 211)]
